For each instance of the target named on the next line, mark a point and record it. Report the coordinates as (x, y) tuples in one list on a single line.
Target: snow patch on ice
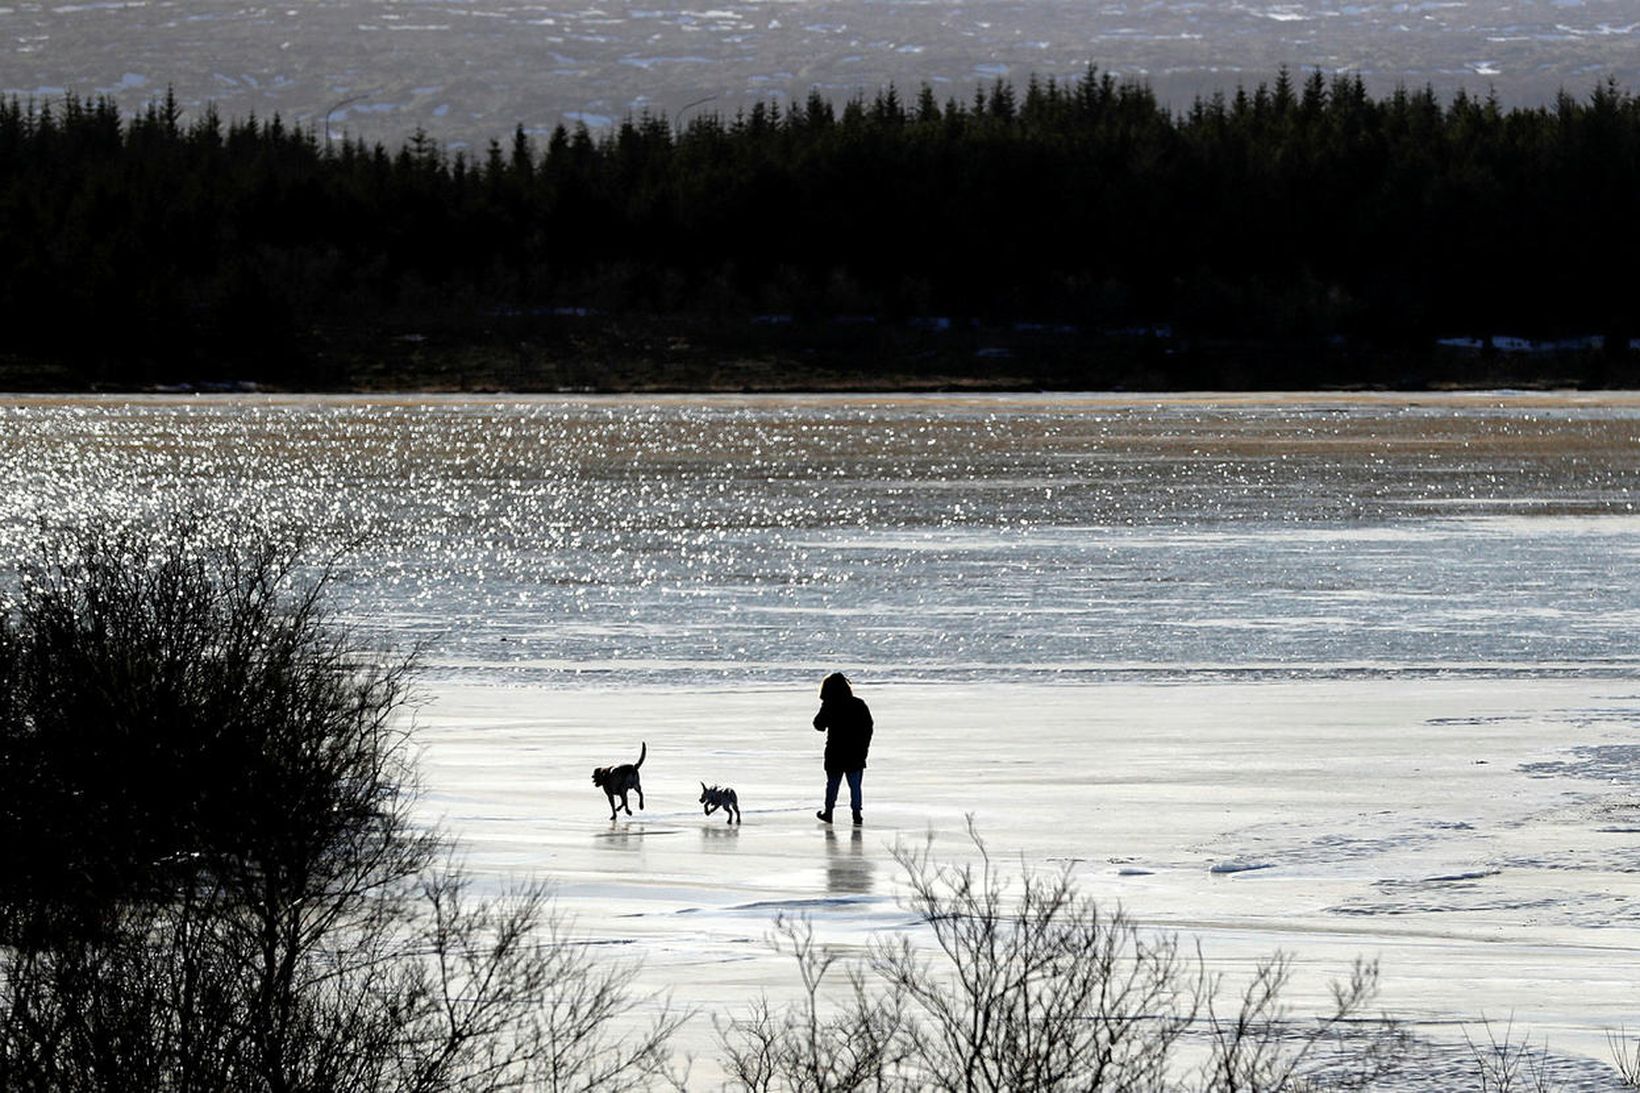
[(1228, 867), (1617, 763)]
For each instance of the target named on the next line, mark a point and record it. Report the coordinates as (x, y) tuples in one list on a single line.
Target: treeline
[(1305, 212)]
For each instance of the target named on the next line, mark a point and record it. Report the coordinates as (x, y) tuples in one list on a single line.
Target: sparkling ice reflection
[(933, 537)]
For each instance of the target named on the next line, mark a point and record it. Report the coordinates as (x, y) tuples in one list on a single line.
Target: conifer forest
[(1075, 233)]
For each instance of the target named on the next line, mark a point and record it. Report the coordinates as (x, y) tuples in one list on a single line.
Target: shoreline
[(1298, 400), (684, 355)]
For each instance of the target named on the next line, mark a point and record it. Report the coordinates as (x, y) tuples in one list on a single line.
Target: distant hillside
[(464, 71)]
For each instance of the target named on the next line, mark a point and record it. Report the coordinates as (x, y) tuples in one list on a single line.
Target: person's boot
[(858, 819), (824, 815)]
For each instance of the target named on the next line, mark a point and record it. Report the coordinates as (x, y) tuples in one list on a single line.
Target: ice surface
[(1458, 831), (1340, 674)]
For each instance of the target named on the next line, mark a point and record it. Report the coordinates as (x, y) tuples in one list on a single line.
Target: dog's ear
[(703, 787)]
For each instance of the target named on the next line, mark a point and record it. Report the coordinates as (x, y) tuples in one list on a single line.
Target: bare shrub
[(1261, 1046), (184, 714), (1030, 985), (1038, 988), (214, 880), (1504, 1064), (1626, 1057), (808, 1046)]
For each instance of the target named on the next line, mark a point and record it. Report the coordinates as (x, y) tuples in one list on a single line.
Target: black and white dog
[(714, 797), (619, 780)]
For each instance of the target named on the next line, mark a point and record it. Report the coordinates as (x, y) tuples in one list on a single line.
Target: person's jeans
[(834, 777)]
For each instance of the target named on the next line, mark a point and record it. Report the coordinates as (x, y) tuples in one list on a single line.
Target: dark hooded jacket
[(846, 721)]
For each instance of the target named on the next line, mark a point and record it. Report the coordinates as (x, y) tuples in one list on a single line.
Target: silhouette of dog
[(620, 780), (714, 797)]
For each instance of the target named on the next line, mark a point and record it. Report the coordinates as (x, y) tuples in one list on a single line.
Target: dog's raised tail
[(643, 750)]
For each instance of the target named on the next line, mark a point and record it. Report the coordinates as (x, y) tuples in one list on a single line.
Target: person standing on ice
[(846, 721)]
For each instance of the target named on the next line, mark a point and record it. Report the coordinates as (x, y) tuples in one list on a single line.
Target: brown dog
[(619, 780)]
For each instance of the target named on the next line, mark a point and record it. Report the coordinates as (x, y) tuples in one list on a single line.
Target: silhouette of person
[(846, 721)]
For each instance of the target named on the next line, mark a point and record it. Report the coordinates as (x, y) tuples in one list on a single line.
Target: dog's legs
[(640, 798), (628, 804), (611, 807)]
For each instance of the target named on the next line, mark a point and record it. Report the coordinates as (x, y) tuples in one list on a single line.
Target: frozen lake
[(1334, 674), (1480, 838)]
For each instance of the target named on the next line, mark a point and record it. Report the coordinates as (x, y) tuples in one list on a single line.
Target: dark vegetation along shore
[(1065, 234)]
